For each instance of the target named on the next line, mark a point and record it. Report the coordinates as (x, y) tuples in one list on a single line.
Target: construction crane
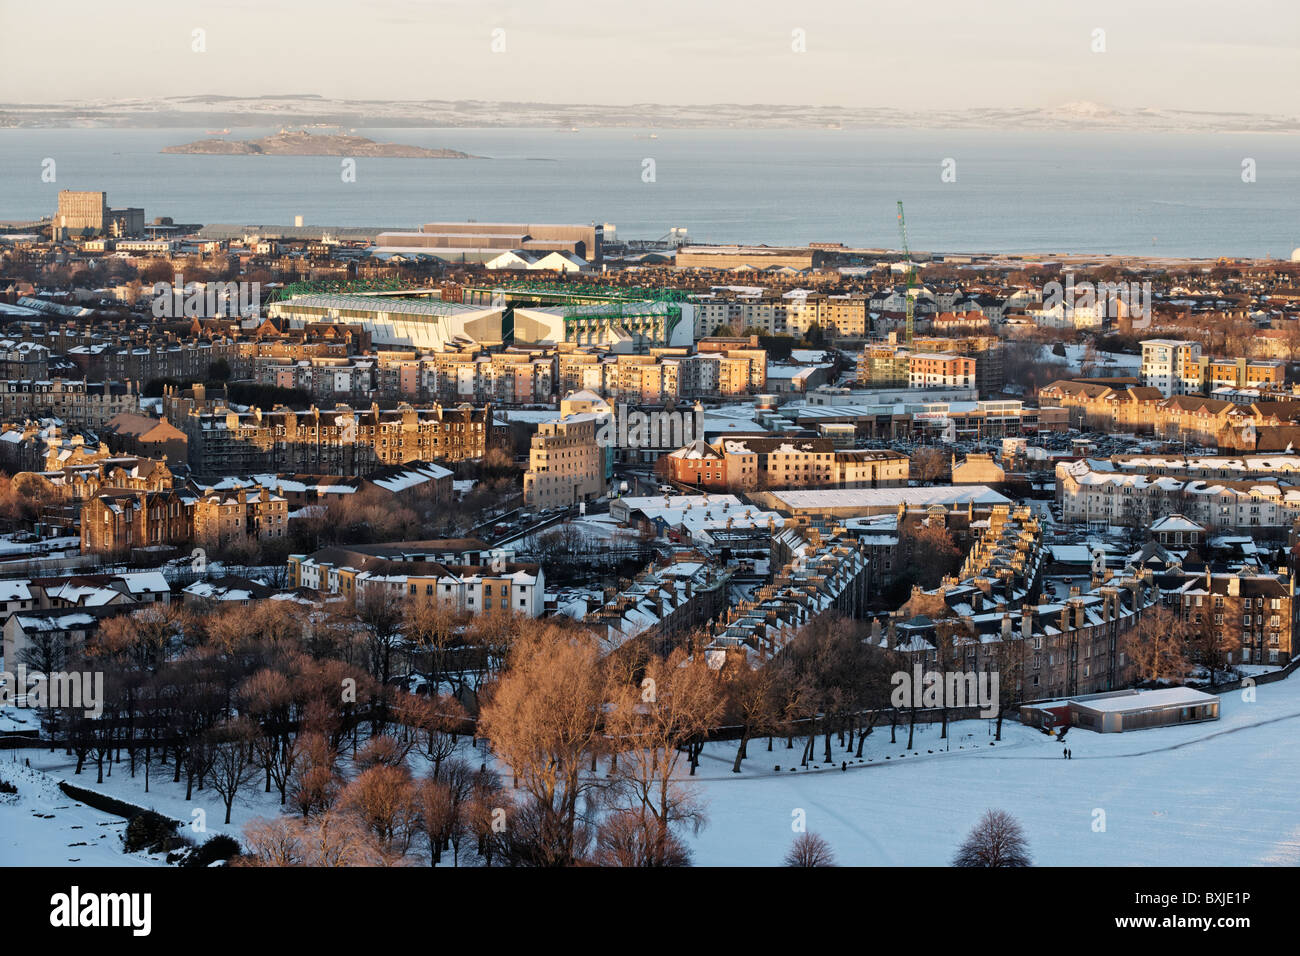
[(911, 273)]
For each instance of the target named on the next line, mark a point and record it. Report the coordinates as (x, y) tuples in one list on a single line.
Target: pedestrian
[(844, 765)]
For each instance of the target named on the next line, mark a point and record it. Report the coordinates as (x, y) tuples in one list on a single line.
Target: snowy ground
[(42, 827), (1217, 794), (8, 546), (1117, 363), (28, 840), (1210, 794)]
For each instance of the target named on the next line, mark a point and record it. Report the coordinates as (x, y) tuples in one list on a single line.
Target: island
[(308, 144)]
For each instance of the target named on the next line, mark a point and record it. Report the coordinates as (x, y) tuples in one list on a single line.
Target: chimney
[(1027, 621), (1006, 626)]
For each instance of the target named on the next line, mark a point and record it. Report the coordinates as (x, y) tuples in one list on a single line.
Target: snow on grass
[(164, 796), (40, 826), (1076, 352), (29, 840), (1219, 793), (1208, 794)]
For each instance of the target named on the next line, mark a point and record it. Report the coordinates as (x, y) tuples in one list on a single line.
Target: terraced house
[(1104, 497), (242, 516), (1039, 649), (79, 403), (747, 464), (409, 572), (117, 523), (1255, 613), (340, 441), (1260, 426)]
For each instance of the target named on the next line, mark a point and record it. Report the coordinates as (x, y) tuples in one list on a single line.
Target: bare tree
[(315, 782), (384, 799), (808, 849), (624, 840), (929, 465), (333, 839), (997, 840), (671, 710), (1158, 645), (544, 719), (232, 764), (749, 702), (46, 653)]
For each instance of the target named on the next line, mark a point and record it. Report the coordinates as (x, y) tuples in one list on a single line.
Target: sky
[(1242, 56)]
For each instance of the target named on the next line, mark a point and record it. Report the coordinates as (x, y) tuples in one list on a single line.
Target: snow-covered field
[(1118, 363), (28, 840), (1212, 794), (42, 827), (1217, 794)]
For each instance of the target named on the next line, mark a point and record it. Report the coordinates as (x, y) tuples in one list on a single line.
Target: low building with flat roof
[(858, 502), (1117, 711)]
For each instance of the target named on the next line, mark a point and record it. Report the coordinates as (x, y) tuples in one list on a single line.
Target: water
[(1126, 193)]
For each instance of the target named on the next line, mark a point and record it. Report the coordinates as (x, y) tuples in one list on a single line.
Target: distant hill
[(305, 110), (308, 144)]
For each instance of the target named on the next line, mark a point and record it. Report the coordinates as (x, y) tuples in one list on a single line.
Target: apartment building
[(410, 572), (336, 442), (566, 465), (1262, 425), (143, 360), (821, 575), (1177, 367), (933, 363), (986, 350), (940, 370), (884, 366), (747, 464), (321, 377), (23, 361), (120, 522), (501, 378), (758, 311), (79, 403), (1255, 613), (1138, 499), (240, 516), (80, 482), (662, 604), (1169, 365)]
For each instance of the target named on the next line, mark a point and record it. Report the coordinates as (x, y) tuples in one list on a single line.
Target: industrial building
[(486, 241)]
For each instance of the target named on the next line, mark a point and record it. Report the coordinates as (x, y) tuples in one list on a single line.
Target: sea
[(1018, 191)]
